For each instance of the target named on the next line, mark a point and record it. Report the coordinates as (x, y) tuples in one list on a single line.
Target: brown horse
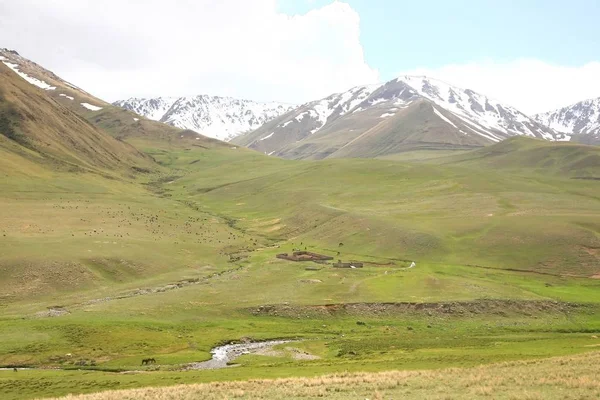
[(148, 361)]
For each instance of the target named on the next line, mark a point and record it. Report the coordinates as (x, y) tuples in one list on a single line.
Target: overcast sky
[(536, 56)]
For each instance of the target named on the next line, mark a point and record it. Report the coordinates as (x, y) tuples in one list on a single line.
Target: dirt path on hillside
[(64, 310)]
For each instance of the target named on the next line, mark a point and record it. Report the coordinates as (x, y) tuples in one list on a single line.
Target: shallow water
[(223, 355)]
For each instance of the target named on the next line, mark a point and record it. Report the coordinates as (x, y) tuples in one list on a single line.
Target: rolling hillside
[(120, 123), (66, 170), (521, 155), (36, 127), (404, 114)]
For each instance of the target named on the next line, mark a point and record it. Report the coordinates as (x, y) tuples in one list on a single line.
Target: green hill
[(520, 154), (410, 211), (36, 127)]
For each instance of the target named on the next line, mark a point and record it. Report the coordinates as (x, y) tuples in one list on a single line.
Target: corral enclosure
[(318, 258), (304, 256)]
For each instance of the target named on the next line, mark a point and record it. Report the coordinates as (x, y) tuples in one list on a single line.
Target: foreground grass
[(396, 342), (556, 378)]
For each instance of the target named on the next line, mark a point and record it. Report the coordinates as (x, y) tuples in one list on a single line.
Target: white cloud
[(531, 86), (240, 48)]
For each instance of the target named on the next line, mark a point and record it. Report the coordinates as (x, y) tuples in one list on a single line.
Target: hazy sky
[(533, 54)]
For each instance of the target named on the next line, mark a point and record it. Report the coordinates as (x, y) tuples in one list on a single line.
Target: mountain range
[(404, 114), (218, 117), (407, 113)]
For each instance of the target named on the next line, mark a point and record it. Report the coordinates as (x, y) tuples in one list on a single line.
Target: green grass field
[(170, 263)]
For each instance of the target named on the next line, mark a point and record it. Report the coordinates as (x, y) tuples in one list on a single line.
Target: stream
[(222, 355)]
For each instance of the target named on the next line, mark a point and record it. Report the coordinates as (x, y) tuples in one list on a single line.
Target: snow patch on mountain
[(91, 107), (268, 136), (439, 114), (36, 82)]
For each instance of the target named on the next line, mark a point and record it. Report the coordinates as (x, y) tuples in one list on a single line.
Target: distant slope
[(35, 126), (569, 159), (481, 211), (118, 122), (580, 120), (218, 117), (403, 114)]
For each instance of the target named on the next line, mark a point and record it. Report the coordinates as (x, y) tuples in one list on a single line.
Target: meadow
[(98, 272)]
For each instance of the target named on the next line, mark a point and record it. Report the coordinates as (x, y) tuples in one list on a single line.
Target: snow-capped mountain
[(219, 117), (582, 118), (407, 112), (496, 121)]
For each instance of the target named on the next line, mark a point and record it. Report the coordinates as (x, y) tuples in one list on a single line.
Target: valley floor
[(99, 274)]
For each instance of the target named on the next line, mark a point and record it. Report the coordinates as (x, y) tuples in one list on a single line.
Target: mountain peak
[(582, 118), (10, 51)]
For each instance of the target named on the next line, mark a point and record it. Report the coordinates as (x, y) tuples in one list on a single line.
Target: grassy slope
[(80, 241), (519, 153), (122, 124), (591, 139), (38, 128)]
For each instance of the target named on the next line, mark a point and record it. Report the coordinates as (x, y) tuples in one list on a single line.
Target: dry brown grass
[(573, 377)]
